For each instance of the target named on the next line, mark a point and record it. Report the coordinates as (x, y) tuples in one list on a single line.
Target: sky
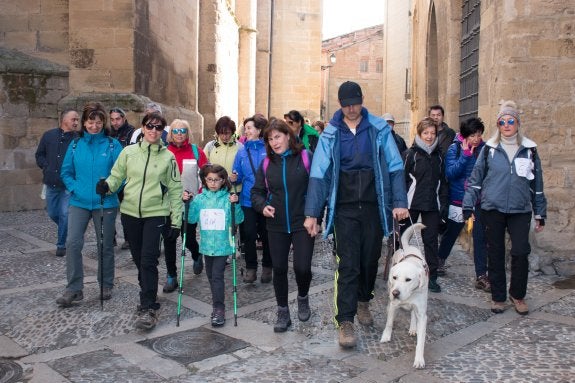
[(341, 16)]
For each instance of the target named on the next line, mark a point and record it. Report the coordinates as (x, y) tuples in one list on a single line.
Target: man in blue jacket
[(358, 166), (49, 157)]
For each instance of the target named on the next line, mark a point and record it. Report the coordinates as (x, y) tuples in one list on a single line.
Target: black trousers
[(170, 251), (143, 234), (358, 237), (518, 225), (302, 253), (429, 236), (255, 224)]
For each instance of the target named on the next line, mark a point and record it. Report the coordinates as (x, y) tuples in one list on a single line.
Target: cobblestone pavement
[(40, 342)]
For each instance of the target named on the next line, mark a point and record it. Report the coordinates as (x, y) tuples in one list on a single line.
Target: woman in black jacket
[(279, 194), (427, 191)]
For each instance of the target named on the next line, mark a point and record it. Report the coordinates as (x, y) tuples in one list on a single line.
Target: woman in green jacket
[(152, 191)]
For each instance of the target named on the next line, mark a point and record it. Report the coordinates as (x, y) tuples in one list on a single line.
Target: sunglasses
[(180, 131), (511, 122), (151, 126)]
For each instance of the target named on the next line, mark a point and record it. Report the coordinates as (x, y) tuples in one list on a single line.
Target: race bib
[(524, 168), (212, 219), (455, 213)]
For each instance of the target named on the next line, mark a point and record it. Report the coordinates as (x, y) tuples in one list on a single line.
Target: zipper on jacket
[(286, 194), (143, 183)]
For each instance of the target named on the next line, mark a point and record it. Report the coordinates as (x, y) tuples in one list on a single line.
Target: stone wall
[(30, 89)]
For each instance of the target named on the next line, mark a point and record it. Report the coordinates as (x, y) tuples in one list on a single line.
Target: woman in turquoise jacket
[(89, 158), (211, 210)]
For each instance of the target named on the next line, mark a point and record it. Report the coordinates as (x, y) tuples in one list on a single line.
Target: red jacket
[(185, 152)]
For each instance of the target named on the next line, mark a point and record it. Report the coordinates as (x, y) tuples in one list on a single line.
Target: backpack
[(196, 153), (304, 157)]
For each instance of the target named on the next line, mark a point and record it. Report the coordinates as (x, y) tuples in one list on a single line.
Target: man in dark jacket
[(445, 134), (49, 157), (358, 166), (399, 141), (121, 129)]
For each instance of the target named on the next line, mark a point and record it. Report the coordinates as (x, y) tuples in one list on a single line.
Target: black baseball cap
[(349, 93)]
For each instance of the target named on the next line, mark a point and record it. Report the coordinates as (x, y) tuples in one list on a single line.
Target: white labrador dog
[(407, 284)]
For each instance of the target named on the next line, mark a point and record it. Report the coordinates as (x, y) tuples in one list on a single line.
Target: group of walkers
[(277, 181)]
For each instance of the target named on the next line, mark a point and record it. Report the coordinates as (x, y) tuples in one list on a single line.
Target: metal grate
[(468, 77)]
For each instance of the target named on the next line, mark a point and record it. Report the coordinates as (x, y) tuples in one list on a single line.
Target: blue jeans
[(79, 219), (57, 207), (479, 242)]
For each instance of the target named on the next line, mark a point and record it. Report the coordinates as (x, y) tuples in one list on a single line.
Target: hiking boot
[(170, 285), (303, 310), (267, 274), (520, 305), (106, 293), (363, 314), (68, 297), (433, 286), (482, 283), (347, 338), (198, 265), (497, 307), (218, 317), (283, 321), (125, 245), (61, 251), (147, 319), (441, 268), (250, 276)]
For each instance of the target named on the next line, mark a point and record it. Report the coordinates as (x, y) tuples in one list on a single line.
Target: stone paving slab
[(29, 269), (565, 306)]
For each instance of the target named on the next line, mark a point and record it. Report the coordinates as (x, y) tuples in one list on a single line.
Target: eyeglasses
[(511, 122), (214, 180), (151, 126), (180, 131)]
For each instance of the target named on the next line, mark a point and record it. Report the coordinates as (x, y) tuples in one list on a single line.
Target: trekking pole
[(181, 285), (101, 252), (233, 242)]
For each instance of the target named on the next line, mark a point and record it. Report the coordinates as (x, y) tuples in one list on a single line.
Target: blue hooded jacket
[(243, 168), (383, 157), (88, 159)]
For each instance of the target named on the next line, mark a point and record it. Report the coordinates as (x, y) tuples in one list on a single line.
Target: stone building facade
[(356, 56), (199, 59), (468, 55)]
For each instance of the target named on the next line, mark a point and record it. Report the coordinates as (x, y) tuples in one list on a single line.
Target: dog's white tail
[(408, 233)]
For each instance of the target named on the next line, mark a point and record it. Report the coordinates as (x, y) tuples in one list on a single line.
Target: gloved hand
[(173, 234), (467, 214), (443, 213), (102, 187)]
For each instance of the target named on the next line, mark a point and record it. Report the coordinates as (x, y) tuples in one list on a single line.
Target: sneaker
[(218, 317), (68, 297), (520, 305), (303, 310), (147, 319), (497, 307), (347, 338), (283, 320), (106, 293), (250, 276), (363, 314), (482, 283), (267, 275), (433, 286), (441, 267), (125, 245), (61, 252), (170, 285), (198, 265)]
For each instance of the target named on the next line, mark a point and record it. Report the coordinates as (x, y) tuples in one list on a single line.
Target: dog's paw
[(419, 363), (385, 337), (412, 332)]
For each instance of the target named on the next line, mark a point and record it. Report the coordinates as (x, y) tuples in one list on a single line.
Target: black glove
[(443, 213), (173, 234), (102, 187), (467, 214)]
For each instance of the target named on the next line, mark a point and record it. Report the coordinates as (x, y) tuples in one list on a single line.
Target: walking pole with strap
[(101, 252), (233, 243), (181, 284)]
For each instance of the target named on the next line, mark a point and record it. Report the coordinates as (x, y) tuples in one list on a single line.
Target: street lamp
[(325, 103)]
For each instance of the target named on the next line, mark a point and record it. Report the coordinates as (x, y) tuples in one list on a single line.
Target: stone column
[(246, 12)]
